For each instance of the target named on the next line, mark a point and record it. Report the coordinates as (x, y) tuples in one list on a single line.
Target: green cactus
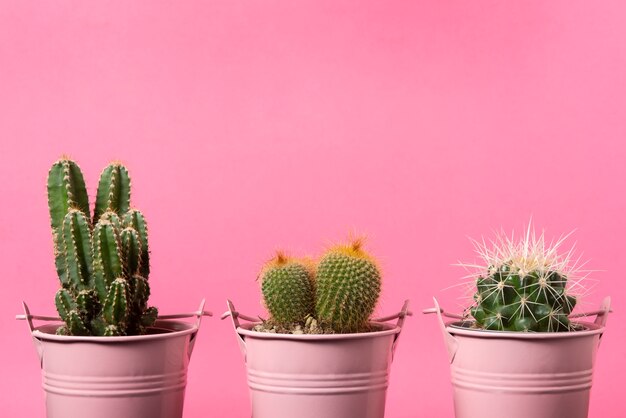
[(288, 289), (113, 191), (135, 220), (348, 288), (522, 287), (66, 190), (103, 265)]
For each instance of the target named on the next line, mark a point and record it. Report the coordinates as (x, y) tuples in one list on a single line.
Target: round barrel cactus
[(288, 289), (348, 288), (524, 285)]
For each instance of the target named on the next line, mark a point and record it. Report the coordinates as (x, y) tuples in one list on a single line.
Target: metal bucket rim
[(590, 330), (388, 329), (174, 328)]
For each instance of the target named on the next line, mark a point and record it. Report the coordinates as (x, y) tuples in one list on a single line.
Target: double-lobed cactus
[(341, 293), (102, 261), (523, 286)]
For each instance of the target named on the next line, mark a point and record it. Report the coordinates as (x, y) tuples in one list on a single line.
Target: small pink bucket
[(123, 377), (521, 375), (315, 376)]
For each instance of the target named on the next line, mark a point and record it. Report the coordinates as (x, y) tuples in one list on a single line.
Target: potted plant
[(518, 350), (319, 354), (112, 355)]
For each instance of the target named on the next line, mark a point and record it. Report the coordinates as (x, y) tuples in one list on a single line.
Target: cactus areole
[(102, 260), (523, 285)]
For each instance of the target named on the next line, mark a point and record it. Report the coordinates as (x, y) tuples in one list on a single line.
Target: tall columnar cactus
[(103, 265), (288, 289), (523, 286), (348, 287)]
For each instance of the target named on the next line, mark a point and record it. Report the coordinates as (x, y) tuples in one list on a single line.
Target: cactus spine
[(348, 288), (103, 265), (523, 286), (288, 289)]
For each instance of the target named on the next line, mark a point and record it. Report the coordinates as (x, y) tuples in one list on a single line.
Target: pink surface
[(249, 126)]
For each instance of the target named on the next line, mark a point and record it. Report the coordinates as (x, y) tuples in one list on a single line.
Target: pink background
[(255, 125)]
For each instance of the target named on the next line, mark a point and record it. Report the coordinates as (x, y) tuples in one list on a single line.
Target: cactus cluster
[(524, 285), (102, 261), (340, 292)]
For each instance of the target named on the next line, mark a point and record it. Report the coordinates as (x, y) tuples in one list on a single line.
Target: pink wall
[(252, 125)]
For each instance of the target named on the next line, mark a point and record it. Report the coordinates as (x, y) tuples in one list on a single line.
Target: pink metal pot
[(123, 377), (318, 376), (521, 375)]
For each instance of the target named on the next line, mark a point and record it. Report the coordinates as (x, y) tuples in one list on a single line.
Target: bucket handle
[(602, 315), (198, 314), (235, 315), (31, 327), (401, 316), (28, 317), (452, 344)]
